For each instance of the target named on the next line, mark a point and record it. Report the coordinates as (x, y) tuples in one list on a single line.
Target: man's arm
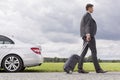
[(87, 27), (87, 23)]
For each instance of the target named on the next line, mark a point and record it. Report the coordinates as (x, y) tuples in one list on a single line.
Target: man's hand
[(88, 37)]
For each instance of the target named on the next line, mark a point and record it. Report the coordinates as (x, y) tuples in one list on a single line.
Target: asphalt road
[(59, 76)]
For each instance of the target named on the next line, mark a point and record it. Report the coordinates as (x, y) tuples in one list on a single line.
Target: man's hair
[(89, 6)]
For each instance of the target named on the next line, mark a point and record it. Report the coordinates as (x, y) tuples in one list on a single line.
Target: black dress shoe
[(68, 71), (101, 71), (82, 71)]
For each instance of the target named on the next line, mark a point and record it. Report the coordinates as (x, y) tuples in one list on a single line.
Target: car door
[(6, 44)]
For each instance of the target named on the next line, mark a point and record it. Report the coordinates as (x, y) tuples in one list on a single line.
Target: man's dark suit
[(88, 26)]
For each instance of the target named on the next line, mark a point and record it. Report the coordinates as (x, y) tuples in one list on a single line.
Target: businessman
[(88, 30)]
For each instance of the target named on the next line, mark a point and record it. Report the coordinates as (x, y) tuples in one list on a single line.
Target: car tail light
[(36, 50)]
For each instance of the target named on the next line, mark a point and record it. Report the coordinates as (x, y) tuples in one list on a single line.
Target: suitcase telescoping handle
[(84, 46)]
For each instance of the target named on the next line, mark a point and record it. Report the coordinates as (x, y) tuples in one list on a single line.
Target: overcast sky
[(55, 25)]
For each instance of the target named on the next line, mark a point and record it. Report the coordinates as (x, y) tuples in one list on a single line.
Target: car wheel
[(12, 63)]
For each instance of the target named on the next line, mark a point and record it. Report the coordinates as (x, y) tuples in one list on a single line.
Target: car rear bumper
[(33, 60)]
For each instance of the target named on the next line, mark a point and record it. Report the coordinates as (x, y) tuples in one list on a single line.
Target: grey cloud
[(62, 37), (108, 18)]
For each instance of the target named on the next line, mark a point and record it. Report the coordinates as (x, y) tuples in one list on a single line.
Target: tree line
[(87, 59)]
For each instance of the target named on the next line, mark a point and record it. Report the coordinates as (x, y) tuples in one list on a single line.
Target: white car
[(16, 56)]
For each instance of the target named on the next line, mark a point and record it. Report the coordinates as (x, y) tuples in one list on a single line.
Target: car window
[(1, 42), (5, 40)]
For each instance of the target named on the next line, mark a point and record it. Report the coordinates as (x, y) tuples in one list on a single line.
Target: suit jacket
[(88, 25)]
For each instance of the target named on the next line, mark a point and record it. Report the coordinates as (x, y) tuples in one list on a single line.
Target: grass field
[(58, 67)]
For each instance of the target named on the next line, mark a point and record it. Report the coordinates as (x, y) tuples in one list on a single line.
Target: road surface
[(59, 76)]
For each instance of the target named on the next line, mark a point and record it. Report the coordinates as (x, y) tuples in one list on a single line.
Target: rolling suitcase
[(72, 61)]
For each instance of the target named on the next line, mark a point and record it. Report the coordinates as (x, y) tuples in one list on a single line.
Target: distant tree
[(99, 60), (89, 58)]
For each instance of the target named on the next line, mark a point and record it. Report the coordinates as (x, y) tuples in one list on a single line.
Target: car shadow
[(25, 71)]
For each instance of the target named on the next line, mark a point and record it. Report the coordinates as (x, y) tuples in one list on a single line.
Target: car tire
[(12, 63), (23, 69)]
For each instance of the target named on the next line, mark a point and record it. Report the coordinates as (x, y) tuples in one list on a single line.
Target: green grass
[(58, 67)]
